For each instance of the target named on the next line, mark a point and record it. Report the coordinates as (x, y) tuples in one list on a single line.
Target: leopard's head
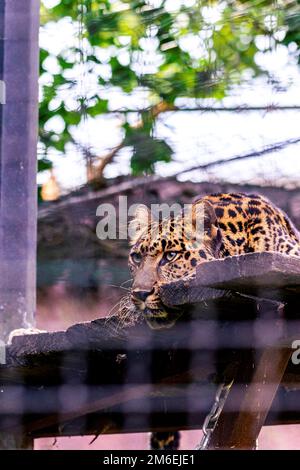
[(168, 250)]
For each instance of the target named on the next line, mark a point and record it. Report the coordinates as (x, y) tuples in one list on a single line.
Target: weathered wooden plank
[(198, 329), (188, 292), (251, 264), (265, 274)]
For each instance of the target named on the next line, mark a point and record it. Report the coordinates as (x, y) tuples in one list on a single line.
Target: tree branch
[(95, 171)]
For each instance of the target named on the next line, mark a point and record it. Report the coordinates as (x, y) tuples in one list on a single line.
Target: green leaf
[(147, 151), (228, 50), (72, 118)]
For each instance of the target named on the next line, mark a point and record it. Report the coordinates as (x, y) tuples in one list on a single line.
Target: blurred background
[(159, 101)]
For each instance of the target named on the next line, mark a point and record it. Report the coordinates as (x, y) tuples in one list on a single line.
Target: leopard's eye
[(136, 257), (170, 255)]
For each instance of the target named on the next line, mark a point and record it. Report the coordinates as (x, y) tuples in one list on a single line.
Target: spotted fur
[(165, 440), (233, 224)]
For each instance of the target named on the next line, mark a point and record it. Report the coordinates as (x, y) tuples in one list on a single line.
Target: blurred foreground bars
[(19, 56), (240, 320)]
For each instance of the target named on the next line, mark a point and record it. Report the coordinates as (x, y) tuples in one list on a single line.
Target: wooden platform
[(240, 319), (266, 275)]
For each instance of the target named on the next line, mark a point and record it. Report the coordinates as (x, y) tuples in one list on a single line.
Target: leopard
[(233, 224), (164, 250)]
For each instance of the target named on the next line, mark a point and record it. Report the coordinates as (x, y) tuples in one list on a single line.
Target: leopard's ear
[(139, 224), (212, 232), (209, 216)]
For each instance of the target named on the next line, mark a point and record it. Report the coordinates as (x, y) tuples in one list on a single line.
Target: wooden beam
[(250, 400), (256, 381)]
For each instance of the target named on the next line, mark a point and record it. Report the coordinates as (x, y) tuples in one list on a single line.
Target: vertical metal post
[(19, 28), (19, 23)]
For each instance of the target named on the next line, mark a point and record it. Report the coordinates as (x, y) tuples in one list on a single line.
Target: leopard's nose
[(142, 294)]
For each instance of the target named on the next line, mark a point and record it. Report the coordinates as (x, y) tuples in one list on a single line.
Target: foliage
[(169, 49)]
